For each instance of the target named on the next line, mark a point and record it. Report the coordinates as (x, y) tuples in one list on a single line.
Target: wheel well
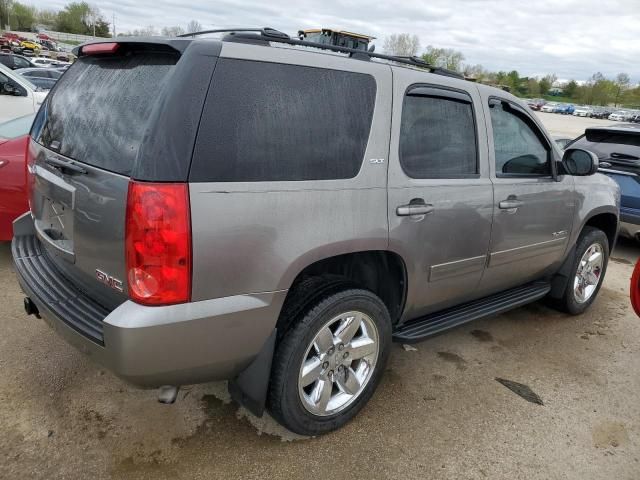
[(608, 223), (379, 271)]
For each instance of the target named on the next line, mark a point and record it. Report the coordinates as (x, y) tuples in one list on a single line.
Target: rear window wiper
[(64, 165)]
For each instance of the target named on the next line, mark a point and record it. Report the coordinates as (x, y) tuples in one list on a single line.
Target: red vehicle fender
[(635, 289)]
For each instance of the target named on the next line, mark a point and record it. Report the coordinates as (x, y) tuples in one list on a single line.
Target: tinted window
[(100, 108), (518, 148), (437, 137), (269, 122), (6, 60), (630, 138)]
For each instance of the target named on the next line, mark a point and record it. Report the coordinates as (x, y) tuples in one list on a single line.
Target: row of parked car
[(42, 45), (589, 111), (43, 72)]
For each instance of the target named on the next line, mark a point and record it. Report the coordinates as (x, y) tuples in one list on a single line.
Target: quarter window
[(437, 136), (276, 122), (519, 151)]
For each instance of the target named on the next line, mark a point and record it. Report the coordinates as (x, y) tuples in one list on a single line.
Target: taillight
[(158, 243), (100, 48), (635, 289)]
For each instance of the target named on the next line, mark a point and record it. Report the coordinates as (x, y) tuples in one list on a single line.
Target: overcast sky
[(571, 38)]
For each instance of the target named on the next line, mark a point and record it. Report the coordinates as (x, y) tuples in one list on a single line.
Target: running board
[(434, 323)]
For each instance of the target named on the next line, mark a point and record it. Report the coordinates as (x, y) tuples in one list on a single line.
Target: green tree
[(444, 57), (47, 17), (5, 9), (533, 87), (621, 84), (81, 18), (547, 82), (22, 16), (571, 89)]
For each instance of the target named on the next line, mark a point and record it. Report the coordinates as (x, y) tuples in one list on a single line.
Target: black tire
[(568, 302), (284, 401)]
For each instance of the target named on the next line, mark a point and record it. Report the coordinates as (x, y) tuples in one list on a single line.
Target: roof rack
[(267, 34)]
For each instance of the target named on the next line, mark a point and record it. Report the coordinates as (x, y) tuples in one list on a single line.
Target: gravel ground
[(439, 412)]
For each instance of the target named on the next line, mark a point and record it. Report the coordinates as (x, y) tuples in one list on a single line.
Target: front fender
[(595, 195)]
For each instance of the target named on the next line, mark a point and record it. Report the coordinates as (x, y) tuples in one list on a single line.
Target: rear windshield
[(610, 145), (100, 108), (604, 136)]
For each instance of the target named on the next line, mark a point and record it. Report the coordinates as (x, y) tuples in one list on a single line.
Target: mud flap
[(249, 388), (562, 276)]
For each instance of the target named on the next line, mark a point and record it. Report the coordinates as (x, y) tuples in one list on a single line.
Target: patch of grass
[(559, 99)]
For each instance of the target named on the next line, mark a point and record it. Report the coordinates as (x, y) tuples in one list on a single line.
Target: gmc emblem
[(109, 280)]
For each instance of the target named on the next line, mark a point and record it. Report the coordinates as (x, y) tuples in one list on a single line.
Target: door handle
[(412, 209), (510, 204)]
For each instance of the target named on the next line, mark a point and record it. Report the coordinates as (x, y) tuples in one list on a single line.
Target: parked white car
[(41, 61), (620, 116), (549, 107), (583, 112), (18, 96)]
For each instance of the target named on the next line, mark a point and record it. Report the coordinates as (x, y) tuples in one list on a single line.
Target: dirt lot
[(439, 412)]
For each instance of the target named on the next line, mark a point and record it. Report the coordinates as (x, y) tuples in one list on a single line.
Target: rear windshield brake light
[(99, 48)]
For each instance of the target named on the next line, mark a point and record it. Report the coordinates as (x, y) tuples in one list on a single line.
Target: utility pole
[(114, 24)]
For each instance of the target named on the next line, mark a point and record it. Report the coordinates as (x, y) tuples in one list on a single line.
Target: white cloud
[(571, 38)]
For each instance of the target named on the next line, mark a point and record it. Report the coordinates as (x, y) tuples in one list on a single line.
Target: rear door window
[(100, 108), (438, 134), (277, 122)]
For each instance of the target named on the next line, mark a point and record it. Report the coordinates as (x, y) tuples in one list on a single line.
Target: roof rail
[(267, 34)]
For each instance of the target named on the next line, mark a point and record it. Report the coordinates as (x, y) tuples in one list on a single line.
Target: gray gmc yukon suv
[(252, 209)]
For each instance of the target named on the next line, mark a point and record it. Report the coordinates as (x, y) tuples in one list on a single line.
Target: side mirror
[(11, 89), (580, 163)]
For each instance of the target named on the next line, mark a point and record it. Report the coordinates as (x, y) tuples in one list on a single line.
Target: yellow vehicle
[(29, 45), (341, 38)]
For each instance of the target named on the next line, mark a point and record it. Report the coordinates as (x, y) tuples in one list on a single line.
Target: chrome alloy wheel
[(588, 273), (338, 363)]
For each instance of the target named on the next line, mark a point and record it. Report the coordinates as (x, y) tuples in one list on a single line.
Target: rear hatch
[(618, 150), (84, 145)]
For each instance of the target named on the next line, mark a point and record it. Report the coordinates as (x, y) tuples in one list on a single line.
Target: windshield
[(17, 127)]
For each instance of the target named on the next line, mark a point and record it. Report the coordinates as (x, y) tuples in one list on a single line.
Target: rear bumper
[(149, 346)]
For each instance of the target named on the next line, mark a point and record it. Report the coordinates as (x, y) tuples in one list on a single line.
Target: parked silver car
[(284, 220)]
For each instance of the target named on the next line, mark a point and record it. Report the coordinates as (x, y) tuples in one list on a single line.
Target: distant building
[(556, 91)]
